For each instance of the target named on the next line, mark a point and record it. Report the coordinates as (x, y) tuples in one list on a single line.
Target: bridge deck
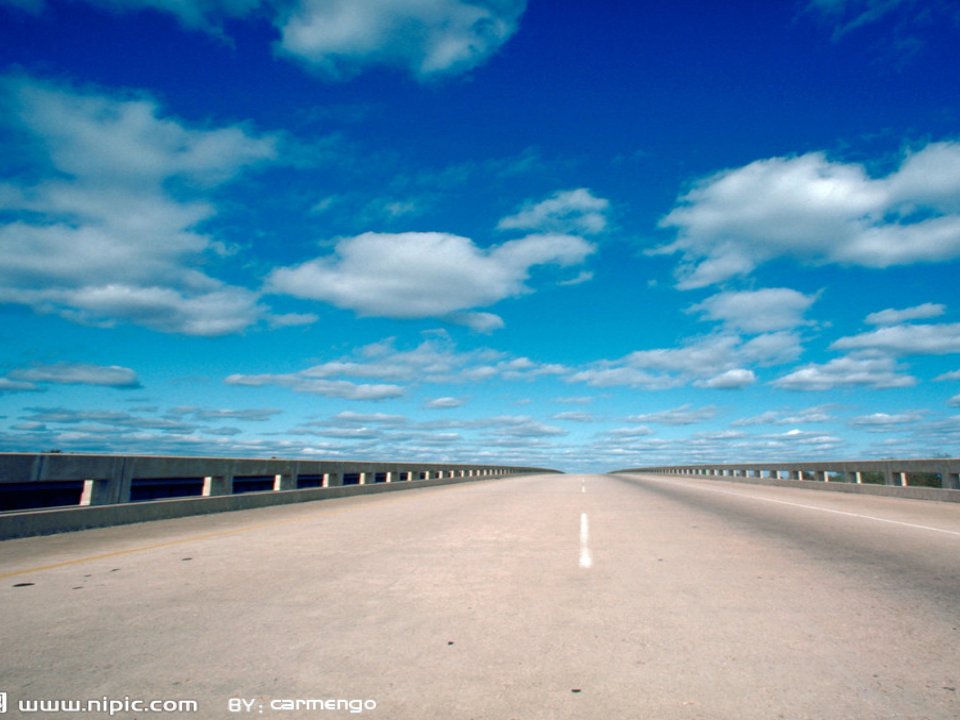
[(537, 597)]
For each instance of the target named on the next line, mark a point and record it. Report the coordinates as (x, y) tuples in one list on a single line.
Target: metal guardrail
[(54, 492)]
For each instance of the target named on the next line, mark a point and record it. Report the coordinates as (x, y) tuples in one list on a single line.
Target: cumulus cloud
[(435, 360), (99, 236), (568, 211), (481, 322), (816, 210), (700, 360), (885, 422), (428, 37), (425, 274), (729, 380), (339, 38), (757, 311), (906, 340), (918, 312), (848, 371)]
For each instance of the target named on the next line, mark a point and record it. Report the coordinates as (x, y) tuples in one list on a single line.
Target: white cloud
[(849, 15), (952, 375), (575, 416), (303, 383), (885, 422), (425, 274), (195, 14), (757, 311), (849, 371), (435, 361), (99, 236), (816, 414), (480, 322), (445, 403), (78, 374), (582, 277), (218, 311), (582, 400), (816, 210), (700, 360), (8, 385), (350, 417), (954, 401), (628, 432), (429, 37), (509, 429), (342, 37), (683, 415), (894, 317), (729, 380), (906, 340), (250, 415), (567, 211)]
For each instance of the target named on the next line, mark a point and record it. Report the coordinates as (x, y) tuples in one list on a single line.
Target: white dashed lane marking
[(586, 560)]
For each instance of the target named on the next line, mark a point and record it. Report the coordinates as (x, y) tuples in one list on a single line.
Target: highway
[(540, 597)]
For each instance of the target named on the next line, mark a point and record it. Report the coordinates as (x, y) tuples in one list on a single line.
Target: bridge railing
[(925, 479), (53, 492), (939, 472)]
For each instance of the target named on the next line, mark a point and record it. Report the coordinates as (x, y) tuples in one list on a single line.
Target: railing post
[(98, 492), (285, 481), (214, 485), (112, 490), (950, 480)]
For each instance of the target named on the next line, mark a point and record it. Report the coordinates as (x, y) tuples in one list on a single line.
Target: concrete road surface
[(560, 596)]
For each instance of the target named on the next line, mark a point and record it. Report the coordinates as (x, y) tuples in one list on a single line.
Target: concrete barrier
[(48, 493), (930, 479)]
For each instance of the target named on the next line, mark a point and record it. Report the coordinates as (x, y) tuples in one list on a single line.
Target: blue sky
[(577, 235)]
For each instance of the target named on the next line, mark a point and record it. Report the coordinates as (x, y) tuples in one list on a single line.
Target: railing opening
[(309, 481), (252, 483), (28, 495), (142, 489)]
